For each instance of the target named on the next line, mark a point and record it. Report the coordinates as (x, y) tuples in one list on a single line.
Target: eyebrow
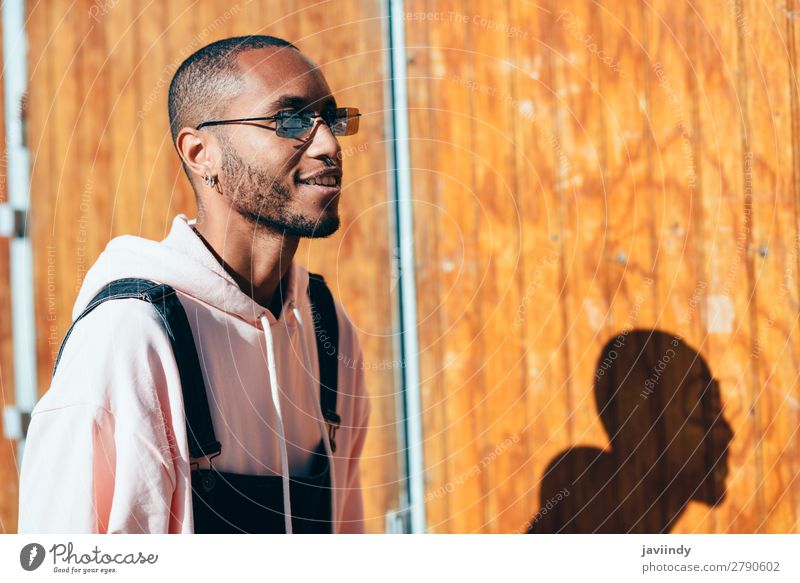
[(297, 102)]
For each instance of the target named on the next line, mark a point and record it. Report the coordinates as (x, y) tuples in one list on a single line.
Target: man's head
[(661, 406), (256, 172)]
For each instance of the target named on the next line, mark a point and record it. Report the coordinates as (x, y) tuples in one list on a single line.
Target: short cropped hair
[(208, 78)]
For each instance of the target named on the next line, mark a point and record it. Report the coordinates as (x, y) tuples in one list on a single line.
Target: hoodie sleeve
[(97, 458)]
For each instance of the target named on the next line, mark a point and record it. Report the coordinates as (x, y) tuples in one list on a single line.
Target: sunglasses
[(299, 124)]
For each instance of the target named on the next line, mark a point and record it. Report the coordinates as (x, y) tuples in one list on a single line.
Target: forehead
[(277, 71)]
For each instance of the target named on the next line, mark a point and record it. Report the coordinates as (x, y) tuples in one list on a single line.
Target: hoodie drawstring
[(273, 382), (320, 420)]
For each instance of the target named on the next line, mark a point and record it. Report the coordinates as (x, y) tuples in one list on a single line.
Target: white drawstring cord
[(321, 421), (273, 382)]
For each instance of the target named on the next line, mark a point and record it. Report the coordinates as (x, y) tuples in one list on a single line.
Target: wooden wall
[(579, 169)]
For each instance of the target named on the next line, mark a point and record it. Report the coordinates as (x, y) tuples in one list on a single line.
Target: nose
[(322, 142)]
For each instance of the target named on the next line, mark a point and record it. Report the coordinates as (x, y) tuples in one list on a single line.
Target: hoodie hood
[(176, 261)]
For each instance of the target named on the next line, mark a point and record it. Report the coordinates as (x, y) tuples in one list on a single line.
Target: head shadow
[(661, 408)]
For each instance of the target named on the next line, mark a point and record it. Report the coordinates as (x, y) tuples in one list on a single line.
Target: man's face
[(261, 171)]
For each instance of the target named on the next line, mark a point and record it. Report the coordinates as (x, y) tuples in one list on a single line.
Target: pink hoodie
[(107, 450)]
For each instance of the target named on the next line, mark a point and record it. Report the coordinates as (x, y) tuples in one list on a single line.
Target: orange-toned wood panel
[(650, 184), (762, 37), (450, 312), (541, 319)]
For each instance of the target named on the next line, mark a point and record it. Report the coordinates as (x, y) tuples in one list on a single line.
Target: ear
[(199, 150)]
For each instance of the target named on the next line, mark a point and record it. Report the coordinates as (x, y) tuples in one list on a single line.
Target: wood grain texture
[(762, 37), (654, 149), (541, 317)]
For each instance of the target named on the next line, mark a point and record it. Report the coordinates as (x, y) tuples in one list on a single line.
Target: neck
[(654, 505), (256, 258)]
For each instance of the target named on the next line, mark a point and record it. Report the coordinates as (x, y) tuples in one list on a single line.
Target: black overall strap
[(200, 430), (326, 328)]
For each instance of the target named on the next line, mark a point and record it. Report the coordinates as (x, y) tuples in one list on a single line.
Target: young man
[(108, 447)]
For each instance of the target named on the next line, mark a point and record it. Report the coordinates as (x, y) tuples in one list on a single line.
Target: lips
[(333, 176), (323, 174), (320, 189)]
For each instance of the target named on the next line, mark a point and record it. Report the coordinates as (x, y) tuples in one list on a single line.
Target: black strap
[(199, 428), (326, 328)]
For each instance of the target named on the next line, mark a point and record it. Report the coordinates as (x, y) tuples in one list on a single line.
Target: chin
[(306, 227), (326, 227)]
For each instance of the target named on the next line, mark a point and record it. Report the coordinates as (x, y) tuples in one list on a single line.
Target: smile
[(327, 180), (323, 189)]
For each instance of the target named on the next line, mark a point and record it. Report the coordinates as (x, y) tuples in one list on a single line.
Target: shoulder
[(120, 344), (116, 325)]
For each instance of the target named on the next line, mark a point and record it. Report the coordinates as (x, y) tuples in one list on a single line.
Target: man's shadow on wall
[(661, 407)]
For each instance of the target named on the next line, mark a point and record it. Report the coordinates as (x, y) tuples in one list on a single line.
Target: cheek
[(268, 154)]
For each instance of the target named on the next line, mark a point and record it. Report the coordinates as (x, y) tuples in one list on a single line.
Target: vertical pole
[(15, 79), (412, 406)]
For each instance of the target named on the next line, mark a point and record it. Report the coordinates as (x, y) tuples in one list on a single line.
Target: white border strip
[(636, 558), (407, 281)]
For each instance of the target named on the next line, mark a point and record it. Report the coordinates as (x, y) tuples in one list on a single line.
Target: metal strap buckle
[(334, 422)]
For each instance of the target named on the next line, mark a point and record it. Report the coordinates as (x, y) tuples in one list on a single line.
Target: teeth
[(322, 180)]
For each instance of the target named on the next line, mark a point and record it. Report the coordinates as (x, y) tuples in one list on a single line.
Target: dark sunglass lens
[(294, 125)]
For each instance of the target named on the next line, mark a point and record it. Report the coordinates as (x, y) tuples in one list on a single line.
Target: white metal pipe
[(15, 83), (407, 280)]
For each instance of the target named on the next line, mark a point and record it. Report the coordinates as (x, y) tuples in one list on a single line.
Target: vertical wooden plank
[(762, 34), (540, 160), (93, 207), (460, 271), (182, 24), (584, 212), (42, 192), (491, 125), (677, 193), (125, 193), (55, 244), (792, 31), (424, 127), (154, 143), (724, 168), (626, 143), (74, 157)]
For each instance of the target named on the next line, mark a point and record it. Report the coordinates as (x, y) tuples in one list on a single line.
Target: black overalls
[(224, 502)]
